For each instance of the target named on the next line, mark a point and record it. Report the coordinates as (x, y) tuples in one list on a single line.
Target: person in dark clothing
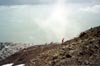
[(62, 40)]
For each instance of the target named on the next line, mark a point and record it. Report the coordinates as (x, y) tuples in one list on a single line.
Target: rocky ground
[(82, 50)]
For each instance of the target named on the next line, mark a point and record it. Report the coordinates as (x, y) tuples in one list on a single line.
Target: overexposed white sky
[(22, 21)]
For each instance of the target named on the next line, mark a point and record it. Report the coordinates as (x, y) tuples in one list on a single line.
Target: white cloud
[(93, 9)]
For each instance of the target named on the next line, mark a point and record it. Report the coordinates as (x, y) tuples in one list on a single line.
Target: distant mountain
[(9, 48), (82, 50)]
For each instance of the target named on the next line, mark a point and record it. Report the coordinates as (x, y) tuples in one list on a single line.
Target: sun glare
[(57, 19)]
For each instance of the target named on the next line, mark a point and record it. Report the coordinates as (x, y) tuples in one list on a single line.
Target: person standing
[(62, 40)]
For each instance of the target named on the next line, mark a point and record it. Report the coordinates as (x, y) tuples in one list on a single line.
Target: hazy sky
[(41, 21), (28, 2)]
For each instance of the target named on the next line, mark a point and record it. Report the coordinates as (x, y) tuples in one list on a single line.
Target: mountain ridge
[(81, 50)]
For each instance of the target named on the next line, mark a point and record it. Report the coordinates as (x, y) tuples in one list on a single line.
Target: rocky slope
[(82, 50)]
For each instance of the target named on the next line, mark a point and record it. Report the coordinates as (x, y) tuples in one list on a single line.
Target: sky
[(45, 21), (28, 2)]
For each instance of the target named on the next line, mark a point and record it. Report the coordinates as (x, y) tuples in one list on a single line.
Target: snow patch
[(12, 64), (8, 64)]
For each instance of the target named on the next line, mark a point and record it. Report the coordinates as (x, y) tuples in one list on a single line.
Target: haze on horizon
[(41, 21)]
